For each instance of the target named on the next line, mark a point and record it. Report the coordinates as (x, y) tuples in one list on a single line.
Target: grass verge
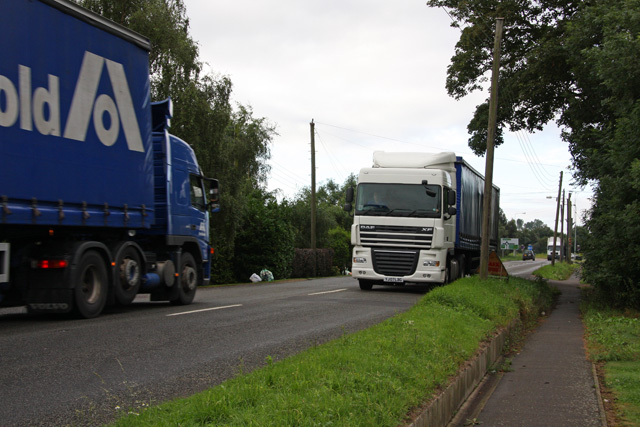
[(374, 377), (557, 271), (613, 343)]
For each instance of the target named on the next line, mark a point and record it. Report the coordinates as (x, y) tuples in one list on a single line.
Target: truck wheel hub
[(129, 272)]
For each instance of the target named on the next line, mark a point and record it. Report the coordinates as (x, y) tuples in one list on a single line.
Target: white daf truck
[(418, 219)]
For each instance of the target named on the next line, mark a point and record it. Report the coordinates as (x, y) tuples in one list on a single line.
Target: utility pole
[(491, 134), (562, 239), (575, 226), (569, 224), (555, 230), (313, 194)]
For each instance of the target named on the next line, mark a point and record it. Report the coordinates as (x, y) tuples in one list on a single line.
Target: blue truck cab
[(98, 201)]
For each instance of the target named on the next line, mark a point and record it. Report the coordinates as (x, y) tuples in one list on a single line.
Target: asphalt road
[(524, 268), (86, 372)]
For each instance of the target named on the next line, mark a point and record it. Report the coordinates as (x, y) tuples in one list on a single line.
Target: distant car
[(528, 255)]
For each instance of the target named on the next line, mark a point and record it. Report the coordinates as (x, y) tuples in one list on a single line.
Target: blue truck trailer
[(418, 219), (98, 202)]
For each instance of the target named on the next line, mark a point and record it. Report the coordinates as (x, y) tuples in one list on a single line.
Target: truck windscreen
[(412, 200)]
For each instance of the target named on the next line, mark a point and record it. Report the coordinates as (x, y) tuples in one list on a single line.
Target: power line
[(531, 164), (466, 152), (541, 175), (283, 169), (331, 157)]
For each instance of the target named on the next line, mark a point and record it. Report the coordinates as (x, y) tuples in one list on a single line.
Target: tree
[(264, 239), (506, 229), (574, 62), (239, 163), (340, 242), (536, 233), (329, 213), (532, 75), (325, 220)]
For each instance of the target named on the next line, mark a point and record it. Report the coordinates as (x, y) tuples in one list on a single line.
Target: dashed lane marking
[(204, 309), (328, 292)]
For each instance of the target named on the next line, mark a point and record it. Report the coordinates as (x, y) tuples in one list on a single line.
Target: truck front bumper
[(429, 266)]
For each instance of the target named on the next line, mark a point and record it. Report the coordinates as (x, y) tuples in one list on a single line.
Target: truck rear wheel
[(128, 275), (187, 282), (90, 281)]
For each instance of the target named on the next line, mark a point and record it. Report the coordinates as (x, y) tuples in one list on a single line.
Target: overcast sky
[(371, 74)]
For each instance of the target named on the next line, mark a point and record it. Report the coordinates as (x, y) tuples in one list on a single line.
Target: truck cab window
[(381, 199), (197, 193)]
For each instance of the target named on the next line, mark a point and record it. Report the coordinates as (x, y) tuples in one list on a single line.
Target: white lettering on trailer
[(10, 114), (86, 104)]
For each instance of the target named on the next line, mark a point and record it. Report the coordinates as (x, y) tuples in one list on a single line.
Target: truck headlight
[(359, 260), (431, 263)]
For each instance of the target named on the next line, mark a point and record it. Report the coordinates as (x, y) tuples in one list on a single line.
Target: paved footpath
[(551, 382)]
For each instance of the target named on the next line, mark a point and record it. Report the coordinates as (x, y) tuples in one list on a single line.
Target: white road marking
[(328, 292), (204, 309)]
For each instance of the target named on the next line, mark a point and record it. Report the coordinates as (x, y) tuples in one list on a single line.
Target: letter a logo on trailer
[(86, 104)]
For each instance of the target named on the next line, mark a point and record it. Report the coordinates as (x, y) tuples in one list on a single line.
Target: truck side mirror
[(349, 194), (452, 198), (348, 206), (452, 210)]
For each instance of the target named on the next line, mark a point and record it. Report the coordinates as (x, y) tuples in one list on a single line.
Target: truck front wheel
[(90, 281), (187, 282), (452, 271)]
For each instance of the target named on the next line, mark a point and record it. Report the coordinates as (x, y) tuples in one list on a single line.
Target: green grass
[(613, 337), (374, 377), (558, 271), (624, 379), (509, 256)]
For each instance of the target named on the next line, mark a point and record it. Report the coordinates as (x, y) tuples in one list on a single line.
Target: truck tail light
[(52, 263)]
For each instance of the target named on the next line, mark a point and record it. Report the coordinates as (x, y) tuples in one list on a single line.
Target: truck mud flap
[(50, 300)]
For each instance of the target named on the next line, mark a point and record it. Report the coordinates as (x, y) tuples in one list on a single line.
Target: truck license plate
[(394, 279)]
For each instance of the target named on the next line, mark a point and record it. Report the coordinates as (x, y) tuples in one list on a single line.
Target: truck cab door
[(449, 215), (190, 211)]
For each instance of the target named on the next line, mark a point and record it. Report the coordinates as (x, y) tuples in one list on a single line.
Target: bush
[(340, 242), (264, 240), (303, 263)]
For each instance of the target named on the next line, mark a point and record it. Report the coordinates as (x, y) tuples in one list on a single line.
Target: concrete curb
[(603, 413), (441, 410)]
